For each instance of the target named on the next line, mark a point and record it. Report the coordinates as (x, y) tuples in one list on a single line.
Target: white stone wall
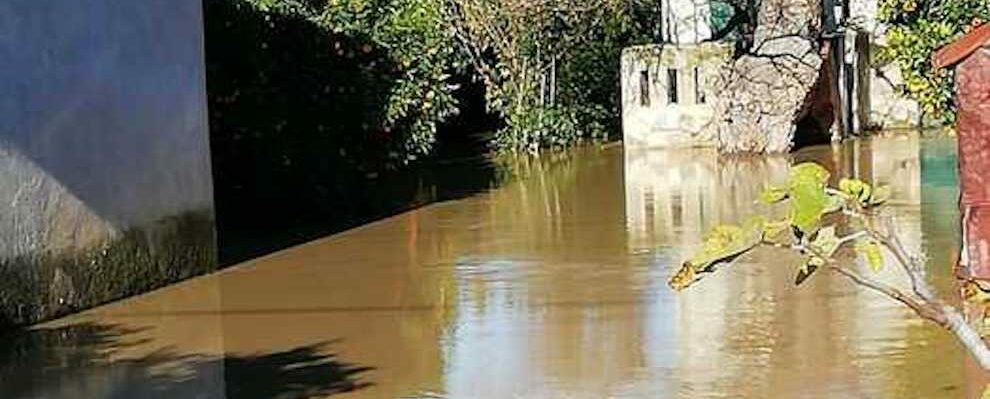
[(686, 21), (649, 118), (887, 108)]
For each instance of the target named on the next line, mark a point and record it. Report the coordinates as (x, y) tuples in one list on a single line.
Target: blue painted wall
[(104, 151)]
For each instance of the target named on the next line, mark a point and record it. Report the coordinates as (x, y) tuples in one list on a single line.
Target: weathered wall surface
[(649, 117), (105, 183), (765, 94), (973, 125)]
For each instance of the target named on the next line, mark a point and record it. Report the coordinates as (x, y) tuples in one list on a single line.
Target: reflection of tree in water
[(299, 373), (75, 362)]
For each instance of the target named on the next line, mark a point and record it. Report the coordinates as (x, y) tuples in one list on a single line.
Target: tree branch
[(948, 316)]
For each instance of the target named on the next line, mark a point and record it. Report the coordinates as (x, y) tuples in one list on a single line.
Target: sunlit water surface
[(550, 286)]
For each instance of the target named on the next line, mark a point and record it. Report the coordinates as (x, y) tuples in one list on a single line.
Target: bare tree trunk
[(553, 81)]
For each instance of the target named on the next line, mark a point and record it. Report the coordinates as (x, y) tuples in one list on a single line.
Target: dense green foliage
[(550, 67), (314, 103), (407, 34), (410, 32), (300, 119), (917, 28)]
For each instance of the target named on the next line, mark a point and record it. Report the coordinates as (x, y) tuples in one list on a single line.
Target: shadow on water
[(294, 110), (87, 361), (297, 373)]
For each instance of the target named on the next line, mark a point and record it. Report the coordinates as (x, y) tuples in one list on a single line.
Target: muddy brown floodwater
[(550, 286)]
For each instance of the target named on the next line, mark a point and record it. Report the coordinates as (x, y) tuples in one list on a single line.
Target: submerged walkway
[(551, 286)]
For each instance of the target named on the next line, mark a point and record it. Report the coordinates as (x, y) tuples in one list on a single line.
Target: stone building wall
[(775, 97), (105, 181), (667, 93), (751, 103)]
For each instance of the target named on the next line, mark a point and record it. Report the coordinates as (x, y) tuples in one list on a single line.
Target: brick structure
[(970, 56)]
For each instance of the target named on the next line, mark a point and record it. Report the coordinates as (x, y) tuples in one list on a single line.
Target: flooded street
[(552, 285)]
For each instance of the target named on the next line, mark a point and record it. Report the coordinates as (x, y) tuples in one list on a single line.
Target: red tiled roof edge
[(958, 50)]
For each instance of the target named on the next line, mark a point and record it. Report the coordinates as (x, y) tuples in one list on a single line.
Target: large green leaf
[(722, 244), (728, 241), (809, 200)]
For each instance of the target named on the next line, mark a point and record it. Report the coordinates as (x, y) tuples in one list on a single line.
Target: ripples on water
[(550, 286)]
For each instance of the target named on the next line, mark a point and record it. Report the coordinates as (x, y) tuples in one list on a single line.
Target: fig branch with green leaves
[(821, 224)]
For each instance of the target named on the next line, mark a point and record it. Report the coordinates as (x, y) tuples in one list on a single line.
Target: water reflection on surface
[(551, 286)]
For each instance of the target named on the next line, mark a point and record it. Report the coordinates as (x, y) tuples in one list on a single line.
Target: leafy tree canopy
[(918, 28)]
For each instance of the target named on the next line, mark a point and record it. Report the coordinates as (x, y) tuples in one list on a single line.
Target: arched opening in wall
[(810, 132), (814, 122)]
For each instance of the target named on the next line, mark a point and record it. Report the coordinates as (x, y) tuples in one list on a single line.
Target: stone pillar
[(973, 91)]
